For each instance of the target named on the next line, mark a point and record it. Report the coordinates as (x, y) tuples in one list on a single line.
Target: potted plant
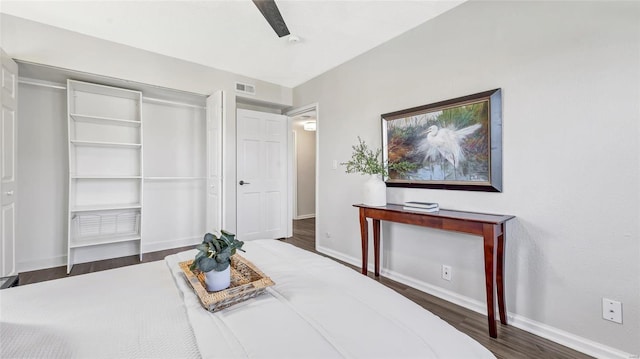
[(214, 259), (369, 162)]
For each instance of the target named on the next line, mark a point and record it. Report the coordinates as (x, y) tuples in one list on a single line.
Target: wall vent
[(245, 88)]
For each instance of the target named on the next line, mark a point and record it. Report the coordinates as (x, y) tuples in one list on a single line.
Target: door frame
[(9, 90), (214, 125), (292, 113)]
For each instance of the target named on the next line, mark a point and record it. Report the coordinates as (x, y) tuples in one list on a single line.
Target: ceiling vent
[(245, 88)]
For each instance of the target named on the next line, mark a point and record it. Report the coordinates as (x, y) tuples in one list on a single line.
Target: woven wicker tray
[(247, 281)]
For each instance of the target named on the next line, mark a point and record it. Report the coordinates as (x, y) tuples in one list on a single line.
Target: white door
[(262, 191), (215, 114), (9, 105)]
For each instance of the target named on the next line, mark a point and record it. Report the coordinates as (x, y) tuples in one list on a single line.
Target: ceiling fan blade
[(270, 11)]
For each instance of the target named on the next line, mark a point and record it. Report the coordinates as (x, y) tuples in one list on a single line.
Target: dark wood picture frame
[(454, 144)]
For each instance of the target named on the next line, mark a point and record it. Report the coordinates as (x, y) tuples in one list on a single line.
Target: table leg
[(364, 237), (376, 246), (500, 277), (489, 273)]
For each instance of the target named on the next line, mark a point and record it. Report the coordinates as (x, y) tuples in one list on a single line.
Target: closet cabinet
[(91, 148), (105, 167)]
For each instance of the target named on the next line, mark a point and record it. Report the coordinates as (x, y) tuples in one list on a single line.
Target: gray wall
[(570, 77)]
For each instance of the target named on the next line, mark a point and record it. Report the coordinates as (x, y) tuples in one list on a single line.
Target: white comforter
[(317, 309), (129, 312)]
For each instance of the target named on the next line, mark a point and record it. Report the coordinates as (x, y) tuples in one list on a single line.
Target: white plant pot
[(216, 281), (374, 192)]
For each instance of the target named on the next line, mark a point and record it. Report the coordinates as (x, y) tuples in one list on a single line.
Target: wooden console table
[(489, 226)]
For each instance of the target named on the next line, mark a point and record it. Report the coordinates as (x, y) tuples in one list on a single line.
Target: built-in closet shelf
[(105, 144), (174, 178), (95, 241), (105, 207), (104, 120), (103, 177), (108, 91)]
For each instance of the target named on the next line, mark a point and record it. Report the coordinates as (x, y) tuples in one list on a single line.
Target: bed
[(317, 309)]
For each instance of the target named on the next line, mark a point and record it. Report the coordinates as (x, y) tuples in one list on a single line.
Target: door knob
[(9, 193), (243, 182)]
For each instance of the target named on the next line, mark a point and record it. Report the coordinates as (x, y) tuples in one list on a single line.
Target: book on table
[(415, 204), (419, 209)]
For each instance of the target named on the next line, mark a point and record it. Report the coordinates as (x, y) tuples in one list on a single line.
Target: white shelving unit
[(175, 178), (105, 171)]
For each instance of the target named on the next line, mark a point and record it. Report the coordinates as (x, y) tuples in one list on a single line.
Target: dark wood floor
[(512, 343), (83, 268)]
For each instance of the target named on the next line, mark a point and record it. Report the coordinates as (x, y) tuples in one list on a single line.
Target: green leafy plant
[(367, 161), (214, 253)]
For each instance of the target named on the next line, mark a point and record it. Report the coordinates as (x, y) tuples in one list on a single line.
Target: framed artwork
[(454, 144)]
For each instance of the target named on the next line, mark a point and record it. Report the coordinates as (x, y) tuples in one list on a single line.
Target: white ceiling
[(232, 35)]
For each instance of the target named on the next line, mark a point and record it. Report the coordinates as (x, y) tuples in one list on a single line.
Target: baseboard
[(567, 339), (449, 296), (559, 336), (305, 216), (337, 255), (175, 243), (37, 264)]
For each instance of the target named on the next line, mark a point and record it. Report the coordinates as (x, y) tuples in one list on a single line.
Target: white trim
[(27, 81), (172, 103), (141, 113), (449, 296), (317, 106), (306, 216), (294, 174), (292, 180), (567, 339), (339, 256), (175, 243), (59, 261), (214, 155), (174, 178), (556, 335), (43, 263), (302, 109), (297, 111)]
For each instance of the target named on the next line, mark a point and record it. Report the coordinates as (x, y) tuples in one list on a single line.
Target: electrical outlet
[(612, 310), (446, 272)]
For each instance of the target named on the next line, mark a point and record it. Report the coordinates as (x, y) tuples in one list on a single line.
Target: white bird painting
[(446, 142)]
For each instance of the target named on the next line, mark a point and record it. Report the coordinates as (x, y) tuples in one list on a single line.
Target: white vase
[(216, 281), (374, 191)]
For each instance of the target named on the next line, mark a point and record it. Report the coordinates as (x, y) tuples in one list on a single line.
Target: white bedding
[(317, 309), (129, 312)]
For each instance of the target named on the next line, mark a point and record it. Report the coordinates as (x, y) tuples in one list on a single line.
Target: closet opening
[(90, 149)]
